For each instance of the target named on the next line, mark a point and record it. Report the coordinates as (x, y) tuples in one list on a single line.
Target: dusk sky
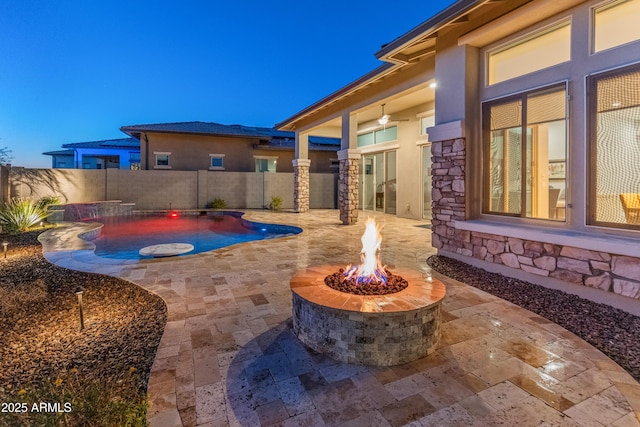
[(75, 71)]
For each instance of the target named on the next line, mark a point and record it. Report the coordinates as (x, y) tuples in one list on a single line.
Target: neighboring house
[(121, 153), (236, 148), (513, 126)]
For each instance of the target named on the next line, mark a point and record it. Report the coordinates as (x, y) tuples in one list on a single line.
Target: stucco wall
[(409, 171), (72, 185), (191, 153), (167, 189)]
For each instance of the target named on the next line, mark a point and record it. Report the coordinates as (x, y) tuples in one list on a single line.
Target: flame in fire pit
[(370, 270)]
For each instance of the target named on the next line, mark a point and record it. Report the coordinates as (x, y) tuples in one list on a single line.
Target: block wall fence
[(169, 189)]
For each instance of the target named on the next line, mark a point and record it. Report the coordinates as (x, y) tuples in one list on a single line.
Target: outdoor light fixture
[(432, 85), (41, 224), (79, 291), (4, 246), (384, 118)]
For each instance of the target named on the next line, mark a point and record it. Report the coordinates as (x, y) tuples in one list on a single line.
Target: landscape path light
[(79, 291), (4, 248)]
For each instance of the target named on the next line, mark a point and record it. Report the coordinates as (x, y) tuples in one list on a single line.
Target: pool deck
[(228, 356)]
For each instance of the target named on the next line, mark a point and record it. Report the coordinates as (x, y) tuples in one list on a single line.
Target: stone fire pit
[(381, 330)]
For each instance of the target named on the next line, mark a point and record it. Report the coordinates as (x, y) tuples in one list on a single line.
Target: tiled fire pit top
[(421, 293)]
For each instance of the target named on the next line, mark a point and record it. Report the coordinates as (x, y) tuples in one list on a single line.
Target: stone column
[(301, 185), (448, 195), (301, 165), (348, 185)]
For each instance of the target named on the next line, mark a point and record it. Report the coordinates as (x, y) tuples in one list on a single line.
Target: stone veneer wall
[(606, 271), (448, 193), (602, 270), (348, 190), (301, 188)]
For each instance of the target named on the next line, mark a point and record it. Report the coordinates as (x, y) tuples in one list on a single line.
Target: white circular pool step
[(166, 249)]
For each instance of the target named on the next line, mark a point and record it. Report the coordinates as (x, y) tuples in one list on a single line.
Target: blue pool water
[(123, 237)]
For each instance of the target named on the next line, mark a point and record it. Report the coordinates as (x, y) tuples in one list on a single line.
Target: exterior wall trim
[(447, 131), (612, 244)]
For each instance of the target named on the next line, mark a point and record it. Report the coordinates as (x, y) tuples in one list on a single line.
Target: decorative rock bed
[(380, 330)]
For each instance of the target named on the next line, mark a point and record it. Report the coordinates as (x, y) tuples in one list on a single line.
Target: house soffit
[(367, 96)]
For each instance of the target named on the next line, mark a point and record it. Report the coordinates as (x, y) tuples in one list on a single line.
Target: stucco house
[(190, 146), (122, 153), (513, 126)]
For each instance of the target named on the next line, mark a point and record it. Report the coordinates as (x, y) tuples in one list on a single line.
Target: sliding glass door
[(379, 182)]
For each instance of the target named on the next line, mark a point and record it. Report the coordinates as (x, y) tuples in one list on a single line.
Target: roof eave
[(432, 25), (345, 90), (129, 131)]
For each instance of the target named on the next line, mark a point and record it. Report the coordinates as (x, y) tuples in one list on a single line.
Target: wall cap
[(349, 154), (616, 245), (446, 131)]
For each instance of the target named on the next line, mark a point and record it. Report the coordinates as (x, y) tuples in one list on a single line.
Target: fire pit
[(352, 325)]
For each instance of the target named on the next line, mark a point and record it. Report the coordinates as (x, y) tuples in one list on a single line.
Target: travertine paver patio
[(228, 357)]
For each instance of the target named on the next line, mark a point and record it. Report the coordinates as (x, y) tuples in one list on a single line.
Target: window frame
[(274, 158), (591, 113), (592, 28), (485, 123), (216, 156), (373, 133), (513, 42), (162, 153)]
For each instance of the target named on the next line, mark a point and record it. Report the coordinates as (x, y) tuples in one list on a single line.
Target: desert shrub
[(276, 203), (217, 203), (82, 401), (20, 214), (47, 201)]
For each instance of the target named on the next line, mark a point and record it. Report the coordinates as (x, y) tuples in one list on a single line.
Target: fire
[(371, 269)]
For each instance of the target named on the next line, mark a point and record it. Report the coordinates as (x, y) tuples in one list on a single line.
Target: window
[(134, 161), (378, 136), (615, 24), (266, 164), (162, 160), (525, 160), (539, 50), (614, 182), (216, 161), (426, 123)]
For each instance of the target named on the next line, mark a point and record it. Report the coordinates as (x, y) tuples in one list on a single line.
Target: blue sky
[(73, 71)]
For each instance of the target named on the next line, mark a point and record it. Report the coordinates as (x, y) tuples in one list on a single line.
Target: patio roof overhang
[(414, 46), (476, 22)]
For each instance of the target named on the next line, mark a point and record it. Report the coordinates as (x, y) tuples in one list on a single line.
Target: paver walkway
[(228, 357)]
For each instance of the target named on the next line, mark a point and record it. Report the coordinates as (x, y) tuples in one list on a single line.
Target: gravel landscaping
[(614, 332), (40, 335)]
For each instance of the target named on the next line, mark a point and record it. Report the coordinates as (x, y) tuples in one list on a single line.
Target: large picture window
[(525, 160), (537, 51), (614, 186), (615, 23)]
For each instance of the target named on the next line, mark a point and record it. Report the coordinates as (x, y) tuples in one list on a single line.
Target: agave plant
[(20, 214)]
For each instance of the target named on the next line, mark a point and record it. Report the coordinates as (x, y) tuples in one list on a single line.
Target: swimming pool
[(123, 237)]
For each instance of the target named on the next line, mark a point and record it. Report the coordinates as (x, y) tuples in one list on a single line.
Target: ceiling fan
[(385, 118)]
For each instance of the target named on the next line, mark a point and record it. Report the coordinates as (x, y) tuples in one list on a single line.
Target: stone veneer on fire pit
[(381, 330)]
